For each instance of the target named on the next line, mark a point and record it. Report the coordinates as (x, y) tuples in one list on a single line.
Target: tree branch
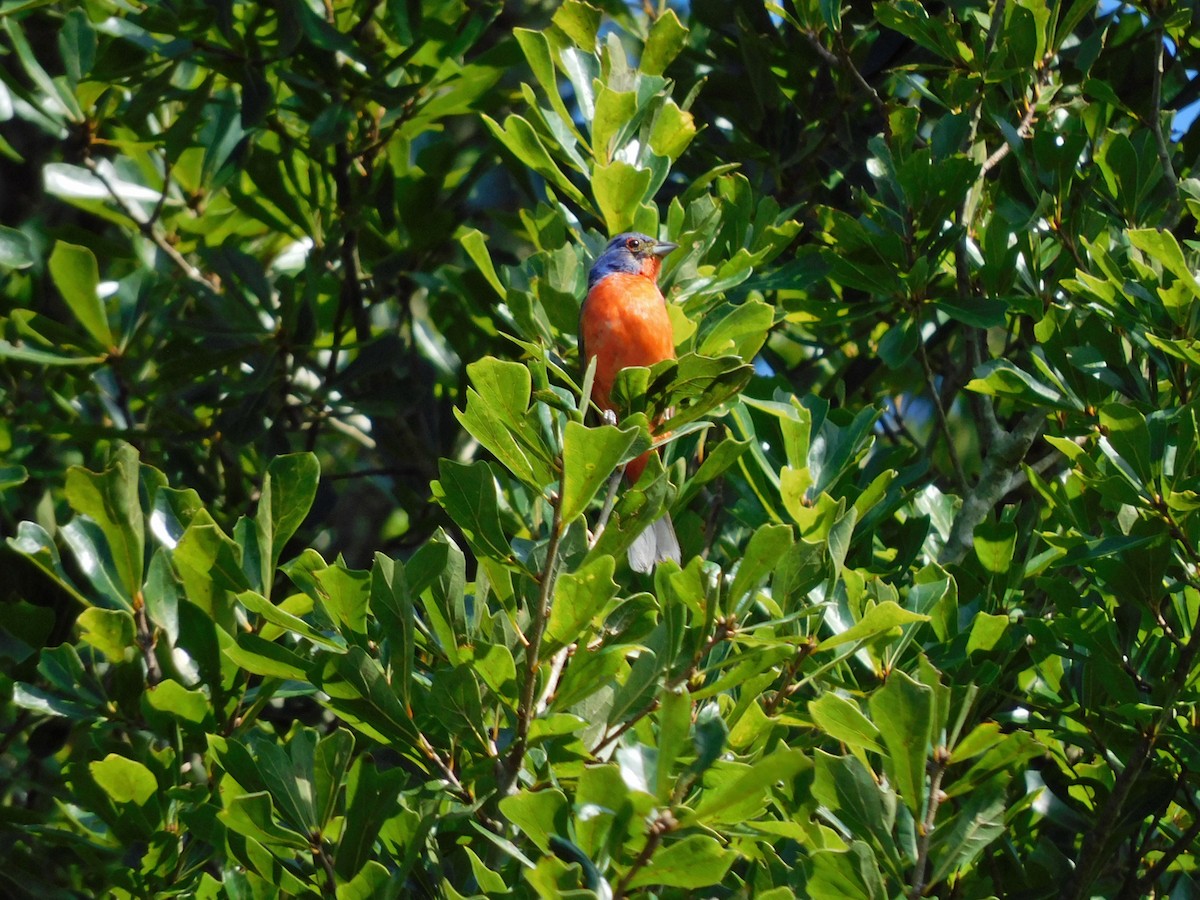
[(999, 467), (1160, 140)]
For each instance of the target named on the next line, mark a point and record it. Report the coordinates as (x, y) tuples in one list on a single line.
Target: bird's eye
[(633, 243)]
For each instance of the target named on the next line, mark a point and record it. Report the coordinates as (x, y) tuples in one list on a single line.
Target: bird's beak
[(662, 248)]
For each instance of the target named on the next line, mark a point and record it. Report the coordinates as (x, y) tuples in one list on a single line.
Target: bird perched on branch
[(624, 323)]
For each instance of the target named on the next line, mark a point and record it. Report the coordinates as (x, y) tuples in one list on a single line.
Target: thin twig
[(943, 423), (148, 228), (1164, 152), (723, 630), (444, 767), (526, 708), (1023, 130), (842, 61), (1186, 841), (610, 500), (147, 639), (661, 826), (788, 685), (941, 760), (322, 858)]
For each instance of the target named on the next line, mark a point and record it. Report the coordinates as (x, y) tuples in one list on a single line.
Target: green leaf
[(983, 737), (523, 142), (978, 312), (903, 712), (172, 698), (210, 566), (331, 761), (741, 332), (839, 874), (357, 689), (262, 657), (343, 593), (957, 843), (619, 189), (77, 45), (11, 476), (253, 815), (536, 47), (766, 547), (537, 813), (1008, 753), (111, 631), (1001, 378), (91, 550), (260, 605), (76, 275), (782, 765), (986, 631), (392, 604), (494, 665), (848, 789), (674, 722), (1124, 428), (700, 384), (878, 619), (590, 455), (55, 95), (1163, 247), (15, 249), (288, 776), (124, 780), (666, 38), (694, 862), (370, 801), (22, 353), (468, 493), (287, 495), (672, 131), (614, 111), (496, 417), (842, 720), (110, 499), (579, 597), (637, 506), (994, 543), (475, 243), (371, 882), (35, 545), (580, 22)]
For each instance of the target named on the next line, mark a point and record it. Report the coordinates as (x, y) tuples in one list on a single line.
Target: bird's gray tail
[(655, 544)]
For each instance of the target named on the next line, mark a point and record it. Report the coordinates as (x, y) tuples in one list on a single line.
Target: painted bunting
[(623, 323)]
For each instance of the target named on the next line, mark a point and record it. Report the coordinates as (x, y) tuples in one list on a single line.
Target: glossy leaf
[(589, 457), (15, 252), (579, 597), (902, 711), (124, 780), (76, 275)]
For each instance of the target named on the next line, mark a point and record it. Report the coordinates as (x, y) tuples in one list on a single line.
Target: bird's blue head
[(633, 253)]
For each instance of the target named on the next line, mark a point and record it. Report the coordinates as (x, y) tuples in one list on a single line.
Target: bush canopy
[(314, 573)]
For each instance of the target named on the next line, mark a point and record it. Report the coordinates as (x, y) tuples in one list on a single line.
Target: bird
[(623, 322)]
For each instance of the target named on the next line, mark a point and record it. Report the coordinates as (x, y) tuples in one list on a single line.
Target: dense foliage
[(314, 580)]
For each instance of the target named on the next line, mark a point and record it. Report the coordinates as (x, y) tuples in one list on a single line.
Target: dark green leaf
[(902, 711)]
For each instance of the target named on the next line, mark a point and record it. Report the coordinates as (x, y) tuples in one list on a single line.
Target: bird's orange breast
[(624, 323)]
